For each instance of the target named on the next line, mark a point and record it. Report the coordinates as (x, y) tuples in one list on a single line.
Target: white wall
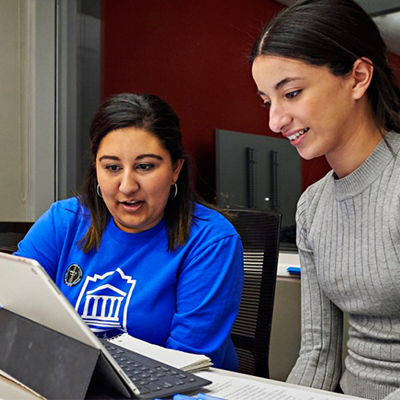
[(50, 89), (27, 108)]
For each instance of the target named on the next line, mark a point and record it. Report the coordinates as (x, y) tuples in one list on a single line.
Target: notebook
[(28, 291)]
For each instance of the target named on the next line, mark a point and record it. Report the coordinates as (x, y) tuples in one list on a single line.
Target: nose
[(129, 183), (279, 118)]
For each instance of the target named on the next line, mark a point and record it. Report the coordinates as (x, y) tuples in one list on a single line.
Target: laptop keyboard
[(151, 377)]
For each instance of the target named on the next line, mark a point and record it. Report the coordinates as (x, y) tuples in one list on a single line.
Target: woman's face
[(307, 104), (135, 173)]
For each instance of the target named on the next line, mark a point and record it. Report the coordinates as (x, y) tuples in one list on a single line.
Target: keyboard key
[(153, 387), (151, 376)]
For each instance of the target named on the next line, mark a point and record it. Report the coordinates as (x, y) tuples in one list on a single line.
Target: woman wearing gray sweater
[(321, 70)]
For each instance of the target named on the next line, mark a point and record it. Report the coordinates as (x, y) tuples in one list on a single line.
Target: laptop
[(28, 292)]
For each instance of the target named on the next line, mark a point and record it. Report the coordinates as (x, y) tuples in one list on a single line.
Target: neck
[(353, 155), (360, 143)]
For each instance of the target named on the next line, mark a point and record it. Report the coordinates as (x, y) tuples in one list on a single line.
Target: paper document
[(233, 388), (185, 361)]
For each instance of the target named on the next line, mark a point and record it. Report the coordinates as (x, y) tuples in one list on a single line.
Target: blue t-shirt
[(186, 299)]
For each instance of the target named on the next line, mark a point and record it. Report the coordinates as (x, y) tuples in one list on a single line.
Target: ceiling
[(386, 14)]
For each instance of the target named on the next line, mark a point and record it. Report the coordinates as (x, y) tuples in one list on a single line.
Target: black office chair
[(260, 231), (11, 233)]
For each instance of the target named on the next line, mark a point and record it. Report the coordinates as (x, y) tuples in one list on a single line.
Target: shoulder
[(207, 221), (59, 227), (212, 237), (393, 139), (66, 212), (312, 202), (68, 205), (394, 143), (314, 192)]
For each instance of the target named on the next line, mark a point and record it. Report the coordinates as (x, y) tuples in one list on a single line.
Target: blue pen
[(202, 396)]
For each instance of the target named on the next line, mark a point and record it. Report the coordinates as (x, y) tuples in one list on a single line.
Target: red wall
[(394, 60), (194, 55)]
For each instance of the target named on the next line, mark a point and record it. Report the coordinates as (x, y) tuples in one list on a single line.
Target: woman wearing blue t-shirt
[(138, 251)]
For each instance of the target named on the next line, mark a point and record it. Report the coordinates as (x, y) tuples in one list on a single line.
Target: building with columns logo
[(104, 299)]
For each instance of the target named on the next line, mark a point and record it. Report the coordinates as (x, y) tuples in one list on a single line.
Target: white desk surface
[(285, 260)]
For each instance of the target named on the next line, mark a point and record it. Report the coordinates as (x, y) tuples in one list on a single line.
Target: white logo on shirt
[(104, 299)]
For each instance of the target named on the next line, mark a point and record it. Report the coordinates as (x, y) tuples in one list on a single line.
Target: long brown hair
[(154, 115), (335, 33)]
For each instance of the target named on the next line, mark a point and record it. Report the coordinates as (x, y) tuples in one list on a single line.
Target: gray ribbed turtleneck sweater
[(348, 234)]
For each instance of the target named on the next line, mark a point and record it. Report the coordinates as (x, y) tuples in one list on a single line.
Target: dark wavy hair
[(148, 112), (335, 33)]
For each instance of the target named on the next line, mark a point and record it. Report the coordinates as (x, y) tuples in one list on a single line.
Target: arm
[(208, 298), (319, 363), (393, 396)]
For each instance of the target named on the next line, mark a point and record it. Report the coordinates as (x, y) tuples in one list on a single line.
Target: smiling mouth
[(298, 134), (131, 203)]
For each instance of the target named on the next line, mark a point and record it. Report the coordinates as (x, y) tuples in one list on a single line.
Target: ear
[(177, 169), (362, 73)]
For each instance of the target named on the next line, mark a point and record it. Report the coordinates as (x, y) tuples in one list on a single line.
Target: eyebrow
[(149, 155), (115, 158), (281, 83)]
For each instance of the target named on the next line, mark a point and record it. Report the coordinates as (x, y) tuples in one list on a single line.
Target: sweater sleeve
[(319, 362), (393, 396), (207, 301)]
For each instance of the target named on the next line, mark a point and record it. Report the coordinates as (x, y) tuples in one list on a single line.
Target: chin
[(308, 154)]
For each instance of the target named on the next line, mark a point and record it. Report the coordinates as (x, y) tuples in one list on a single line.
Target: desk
[(286, 320), (285, 260), (255, 387), (235, 386)]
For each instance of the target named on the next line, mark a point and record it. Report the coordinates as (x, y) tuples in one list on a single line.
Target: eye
[(113, 168), (145, 167), (266, 104), (293, 94)]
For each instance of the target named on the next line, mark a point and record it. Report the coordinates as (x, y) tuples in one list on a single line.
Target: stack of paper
[(185, 361), (234, 386)]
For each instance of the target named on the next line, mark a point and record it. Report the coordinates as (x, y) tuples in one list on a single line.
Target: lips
[(131, 203), (298, 134)]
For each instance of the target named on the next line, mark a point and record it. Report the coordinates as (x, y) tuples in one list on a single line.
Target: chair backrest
[(11, 233), (260, 232)]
